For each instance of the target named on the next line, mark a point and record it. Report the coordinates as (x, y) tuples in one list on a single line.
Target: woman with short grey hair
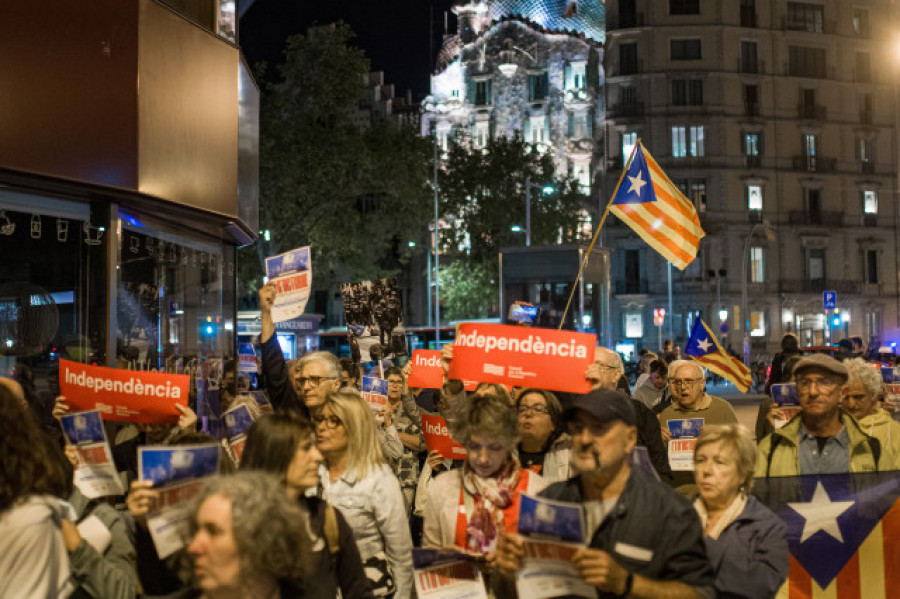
[(745, 541), (249, 539), (861, 398)]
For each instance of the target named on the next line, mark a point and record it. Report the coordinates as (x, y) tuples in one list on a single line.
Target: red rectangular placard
[(426, 372), (437, 438)]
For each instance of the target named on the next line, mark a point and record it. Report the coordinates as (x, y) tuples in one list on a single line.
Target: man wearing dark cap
[(821, 439), (645, 539)]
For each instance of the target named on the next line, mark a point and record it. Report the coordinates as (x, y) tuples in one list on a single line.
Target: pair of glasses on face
[(395, 382), (328, 421), (684, 382), (535, 409), (315, 381)]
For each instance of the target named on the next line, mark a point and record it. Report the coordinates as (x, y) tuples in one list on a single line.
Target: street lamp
[(745, 321), (546, 190)]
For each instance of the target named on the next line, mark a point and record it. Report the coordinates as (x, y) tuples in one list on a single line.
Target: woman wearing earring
[(745, 541)]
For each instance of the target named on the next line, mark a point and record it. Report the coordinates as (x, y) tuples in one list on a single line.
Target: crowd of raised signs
[(329, 481)]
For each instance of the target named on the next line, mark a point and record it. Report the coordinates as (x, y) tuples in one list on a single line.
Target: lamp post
[(770, 234), (545, 189)]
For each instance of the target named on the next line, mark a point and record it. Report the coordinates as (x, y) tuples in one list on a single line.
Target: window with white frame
[(688, 141), (576, 75), (697, 146), (481, 134), (757, 265), (581, 172), (629, 140), (679, 142), (634, 325), (752, 144), (865, 150), (870, 201), (754, 197)]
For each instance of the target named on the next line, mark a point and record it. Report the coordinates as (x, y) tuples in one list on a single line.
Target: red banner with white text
[(524, 357), (123, 395), (426, 371), (437, 438)]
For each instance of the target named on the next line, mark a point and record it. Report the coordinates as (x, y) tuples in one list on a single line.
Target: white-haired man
[(687, 384)]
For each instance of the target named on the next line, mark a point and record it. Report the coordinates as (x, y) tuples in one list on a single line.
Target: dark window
[(628, 59), (684, 7), (632, 271), (695, 191), (751, 100), (814, 205), (627, 13), (806, 62), (483, 93), (627, 95), (866, 107), (816, 268), (861, 22), (685, 49), (871, 266), (749, 63), (687, 92), (863, 68), (748, 13), (538, 87), (806, 17)]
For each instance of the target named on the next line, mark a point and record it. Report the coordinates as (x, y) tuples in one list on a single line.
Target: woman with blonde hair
[(356, 480), (745, 541)]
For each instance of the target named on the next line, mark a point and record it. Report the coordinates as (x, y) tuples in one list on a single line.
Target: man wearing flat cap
[(645, 540), (821, 439)]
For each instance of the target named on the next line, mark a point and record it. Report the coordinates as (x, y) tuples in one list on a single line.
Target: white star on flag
[(821, 514), (704, 344), (637, 183)]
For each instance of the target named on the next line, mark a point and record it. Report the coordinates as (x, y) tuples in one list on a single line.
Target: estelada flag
[(843, 533), (705, 349), (648, 202)]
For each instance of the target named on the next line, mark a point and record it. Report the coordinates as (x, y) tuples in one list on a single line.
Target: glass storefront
[(90, 282)]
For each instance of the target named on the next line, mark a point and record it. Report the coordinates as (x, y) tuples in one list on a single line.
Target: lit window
[(754, 197), (757, 324), (870, 202), (757, 265), (480, 135), (679, 145), (629, 140), (697, 144), (634, 325), (537, 126), (751, 144)]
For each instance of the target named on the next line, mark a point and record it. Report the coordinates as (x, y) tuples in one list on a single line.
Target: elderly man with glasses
[(821, 439), (687, 386)]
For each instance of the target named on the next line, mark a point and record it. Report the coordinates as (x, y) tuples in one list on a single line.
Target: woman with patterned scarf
[(469, 507)]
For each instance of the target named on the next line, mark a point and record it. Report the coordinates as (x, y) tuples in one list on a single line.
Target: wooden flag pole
[(597, 235)]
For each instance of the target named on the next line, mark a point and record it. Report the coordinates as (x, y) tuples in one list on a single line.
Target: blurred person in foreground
[(644, 539), (356, 480), (745, 541), (472, 506), (34, 561), (249, 540), (861, 398), (284, 445), (821, 439)]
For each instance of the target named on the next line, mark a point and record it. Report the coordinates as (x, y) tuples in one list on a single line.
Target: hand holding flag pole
[(655, 209)]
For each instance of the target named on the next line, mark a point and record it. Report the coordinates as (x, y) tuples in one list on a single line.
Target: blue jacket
[(750, 557)]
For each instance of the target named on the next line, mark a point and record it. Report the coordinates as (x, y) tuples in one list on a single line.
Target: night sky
[(393, 33)]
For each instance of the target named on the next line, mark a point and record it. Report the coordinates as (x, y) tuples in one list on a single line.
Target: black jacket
[(652, 531), (278, 383), (344, 569)]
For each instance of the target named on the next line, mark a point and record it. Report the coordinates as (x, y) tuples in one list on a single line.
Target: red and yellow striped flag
[(648, 202), (706, 349)]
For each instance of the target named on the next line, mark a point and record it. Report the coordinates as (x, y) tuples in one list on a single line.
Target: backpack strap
[(331, 530)]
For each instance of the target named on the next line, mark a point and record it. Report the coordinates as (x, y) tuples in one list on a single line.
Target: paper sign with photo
[(163, 464), (237, 420), (437, 438), (529, 357), (375, 392), (681, 453), (447, 574), (291, 273), (169, 523), (689, 427), (548, 519), (374, 314), (96, 474), (785, 395), (123, 395)]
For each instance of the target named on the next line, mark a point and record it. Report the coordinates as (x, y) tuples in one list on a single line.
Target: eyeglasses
[(315, 381), (537, 408), (395, 382), (328, 421), (825, 384), (684, 382), (606, 366)]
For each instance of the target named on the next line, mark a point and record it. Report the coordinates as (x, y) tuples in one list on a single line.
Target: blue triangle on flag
[(636, 186), (847, 505), (701, 342)]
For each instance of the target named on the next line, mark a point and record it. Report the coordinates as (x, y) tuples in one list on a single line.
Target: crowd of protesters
[(329, 498)]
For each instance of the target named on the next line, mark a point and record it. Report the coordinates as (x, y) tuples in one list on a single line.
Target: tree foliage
[(483, 196), (468, 291), (355, 194)]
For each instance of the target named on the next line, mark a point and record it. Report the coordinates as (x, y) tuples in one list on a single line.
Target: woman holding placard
[(469, 507), (745, 541)]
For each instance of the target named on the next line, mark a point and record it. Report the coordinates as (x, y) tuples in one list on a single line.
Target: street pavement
[(746, 405)]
